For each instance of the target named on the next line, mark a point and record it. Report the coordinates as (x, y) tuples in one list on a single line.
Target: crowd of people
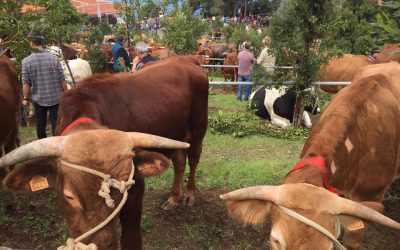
[(259, 21)]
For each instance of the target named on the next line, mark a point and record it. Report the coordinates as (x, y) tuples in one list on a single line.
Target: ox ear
[(150, 163), (249, 211), (33, 176), (353, 224)]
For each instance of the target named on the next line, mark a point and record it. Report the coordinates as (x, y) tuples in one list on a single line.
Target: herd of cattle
[(348, 162)]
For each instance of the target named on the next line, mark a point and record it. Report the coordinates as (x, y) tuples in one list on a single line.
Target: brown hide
[(359, 137), (342, 69), (390, 52), (69, 52), (131, 52), (10, 103), (168, 98), (230, 59), (162, 54), (109, 152)]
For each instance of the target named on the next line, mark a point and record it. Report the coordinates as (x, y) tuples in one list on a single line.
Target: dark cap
[(375, 50), (35, 37)]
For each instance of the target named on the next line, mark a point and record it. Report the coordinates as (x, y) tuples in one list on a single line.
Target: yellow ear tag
[(356, 225), (38, 183)]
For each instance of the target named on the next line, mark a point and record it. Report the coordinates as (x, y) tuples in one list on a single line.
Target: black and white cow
[(277, 105)]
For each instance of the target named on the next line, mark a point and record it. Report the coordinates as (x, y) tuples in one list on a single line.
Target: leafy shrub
[(182, 30), (97, 59), (238, 125)]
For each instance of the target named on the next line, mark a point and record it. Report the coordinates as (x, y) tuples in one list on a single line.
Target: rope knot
[(72, 245), (122, 186)]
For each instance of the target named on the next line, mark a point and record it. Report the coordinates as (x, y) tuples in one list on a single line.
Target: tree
[(182, 30), (388, 22), (296, 31), (61, 22), (354, 32), (57, 20)]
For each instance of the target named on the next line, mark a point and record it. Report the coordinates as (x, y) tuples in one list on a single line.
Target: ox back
[(168, 98), (10, 102)]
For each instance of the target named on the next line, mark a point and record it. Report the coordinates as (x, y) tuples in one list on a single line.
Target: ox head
[(105, 150), (251, 205)]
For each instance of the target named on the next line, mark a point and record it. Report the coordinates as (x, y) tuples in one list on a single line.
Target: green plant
[(182, 30), (245, 124), (387, 22), (97, 59)]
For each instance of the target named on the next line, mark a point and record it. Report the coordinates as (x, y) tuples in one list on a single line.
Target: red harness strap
[(76, 122), (320, 163)]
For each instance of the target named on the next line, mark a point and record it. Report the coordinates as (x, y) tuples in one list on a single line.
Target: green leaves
[(182, 30), (388, 22)]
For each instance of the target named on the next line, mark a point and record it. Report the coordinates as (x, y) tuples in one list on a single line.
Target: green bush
[(238, 125), (97, 59), (182, 30)]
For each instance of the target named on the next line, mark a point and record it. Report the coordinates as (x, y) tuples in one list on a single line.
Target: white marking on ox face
[(348, 144)]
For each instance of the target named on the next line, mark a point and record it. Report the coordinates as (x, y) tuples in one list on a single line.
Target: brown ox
[(230, 60), (342, 69), (10, 103), (355, 146), (95, 148), (390, 52), (168, 98)]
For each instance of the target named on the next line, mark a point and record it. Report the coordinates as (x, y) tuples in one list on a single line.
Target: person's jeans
[(247, 87), (41, 119)]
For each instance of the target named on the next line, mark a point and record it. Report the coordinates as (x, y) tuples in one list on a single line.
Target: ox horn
[(353, 208), (142, 140), (46, 147), (267, 193)]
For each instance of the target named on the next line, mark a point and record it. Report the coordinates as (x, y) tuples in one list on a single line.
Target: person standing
[(142, 57), (266, 59), (43, 82), (246, 60), (118, 51)]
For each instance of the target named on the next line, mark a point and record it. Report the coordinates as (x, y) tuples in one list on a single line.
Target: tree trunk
[(297, 115)]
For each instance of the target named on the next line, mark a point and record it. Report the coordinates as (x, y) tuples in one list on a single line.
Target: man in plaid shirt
[(43, 81)]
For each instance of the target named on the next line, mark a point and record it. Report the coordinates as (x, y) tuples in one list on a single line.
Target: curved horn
[(353, 208), (267, 193), (142, 140), (51, 146)]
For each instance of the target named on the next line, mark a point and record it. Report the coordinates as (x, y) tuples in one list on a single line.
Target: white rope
[(122, 186), (315, 226)]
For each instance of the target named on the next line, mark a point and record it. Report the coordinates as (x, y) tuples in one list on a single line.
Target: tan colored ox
[(82, 195), (342, 69), (353, 149), (390, 52)]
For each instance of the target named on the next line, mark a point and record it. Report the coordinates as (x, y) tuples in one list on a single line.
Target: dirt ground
[(33, 222)]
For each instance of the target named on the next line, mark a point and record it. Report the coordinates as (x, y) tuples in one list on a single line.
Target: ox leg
[(179, 161), (3, 171), (130, 218), (194, 158)]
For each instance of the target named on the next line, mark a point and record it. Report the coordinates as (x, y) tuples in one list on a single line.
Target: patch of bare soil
[(34, 222)]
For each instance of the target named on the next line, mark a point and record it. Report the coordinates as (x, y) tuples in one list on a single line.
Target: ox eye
[(69, 197)]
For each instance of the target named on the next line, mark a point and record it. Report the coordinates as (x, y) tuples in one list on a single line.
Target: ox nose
[(275, 243)]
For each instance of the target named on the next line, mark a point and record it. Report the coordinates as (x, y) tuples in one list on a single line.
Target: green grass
[(238, 162)]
